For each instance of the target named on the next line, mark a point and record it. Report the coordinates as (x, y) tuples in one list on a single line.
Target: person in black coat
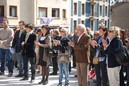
[(112, 49), (55, 48), (29, 52), (16, 44), (75, 36)]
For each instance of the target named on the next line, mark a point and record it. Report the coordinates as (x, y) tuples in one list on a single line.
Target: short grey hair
[(82, 26)]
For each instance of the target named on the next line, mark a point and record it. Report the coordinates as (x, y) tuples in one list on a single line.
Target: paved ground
[(53, 80)]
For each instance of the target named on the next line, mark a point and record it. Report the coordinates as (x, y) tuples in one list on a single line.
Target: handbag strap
[(97, 53)]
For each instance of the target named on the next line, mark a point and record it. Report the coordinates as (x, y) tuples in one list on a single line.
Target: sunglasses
[(126, 42), (62, 31), (110, 31)]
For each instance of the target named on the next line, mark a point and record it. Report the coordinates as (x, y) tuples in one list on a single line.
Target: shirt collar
[(81, 35), (30, 32)]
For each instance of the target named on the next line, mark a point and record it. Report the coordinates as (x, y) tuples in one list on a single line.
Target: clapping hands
[(57, 42), (37, 43), (94, 43), (71, 43), (105, 44)]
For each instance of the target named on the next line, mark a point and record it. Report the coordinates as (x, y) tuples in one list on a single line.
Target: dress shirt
[(79, 37)]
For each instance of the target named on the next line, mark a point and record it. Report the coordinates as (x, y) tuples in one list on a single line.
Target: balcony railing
[(91, 18)]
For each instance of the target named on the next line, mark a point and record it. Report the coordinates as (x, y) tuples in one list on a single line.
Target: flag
[(45, 20)]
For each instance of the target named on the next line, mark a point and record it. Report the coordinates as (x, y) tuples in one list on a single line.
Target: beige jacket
[(48, 44)]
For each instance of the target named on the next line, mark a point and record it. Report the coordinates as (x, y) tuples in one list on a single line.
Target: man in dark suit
[(29, 52), (18, 38), (81, 49)]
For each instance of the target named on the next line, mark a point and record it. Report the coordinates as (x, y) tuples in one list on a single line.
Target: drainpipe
[(36, 11), (109, 12)]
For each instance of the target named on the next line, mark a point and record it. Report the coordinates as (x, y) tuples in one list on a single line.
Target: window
[(55, 12), (82, 21), (64, 13), (75, 24), (13, 11), (42, 12), (106, 11), (75, 8), (92, 10), (92, 24), (100, 10), (1, 11), (83, 9), (105, 23)]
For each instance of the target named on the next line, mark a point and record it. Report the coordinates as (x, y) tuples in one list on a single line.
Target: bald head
[(81, 29)]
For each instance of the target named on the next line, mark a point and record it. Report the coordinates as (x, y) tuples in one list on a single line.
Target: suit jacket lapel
[(18, 33), (26, 39), (76, 40), (81, 39), (22, 34)]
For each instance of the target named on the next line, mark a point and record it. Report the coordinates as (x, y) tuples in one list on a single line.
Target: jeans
[(64, 69), (6, 54), (101, 74), (20, 62)]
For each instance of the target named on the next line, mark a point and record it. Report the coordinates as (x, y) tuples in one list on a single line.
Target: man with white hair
[(81, 48)]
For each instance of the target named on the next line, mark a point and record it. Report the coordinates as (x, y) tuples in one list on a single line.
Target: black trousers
[(55, 64), (32, 63), (69, 67), (101, 74), (122, 77), (74, 61)]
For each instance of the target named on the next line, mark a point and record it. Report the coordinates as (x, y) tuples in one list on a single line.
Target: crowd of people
[(44, 46)]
